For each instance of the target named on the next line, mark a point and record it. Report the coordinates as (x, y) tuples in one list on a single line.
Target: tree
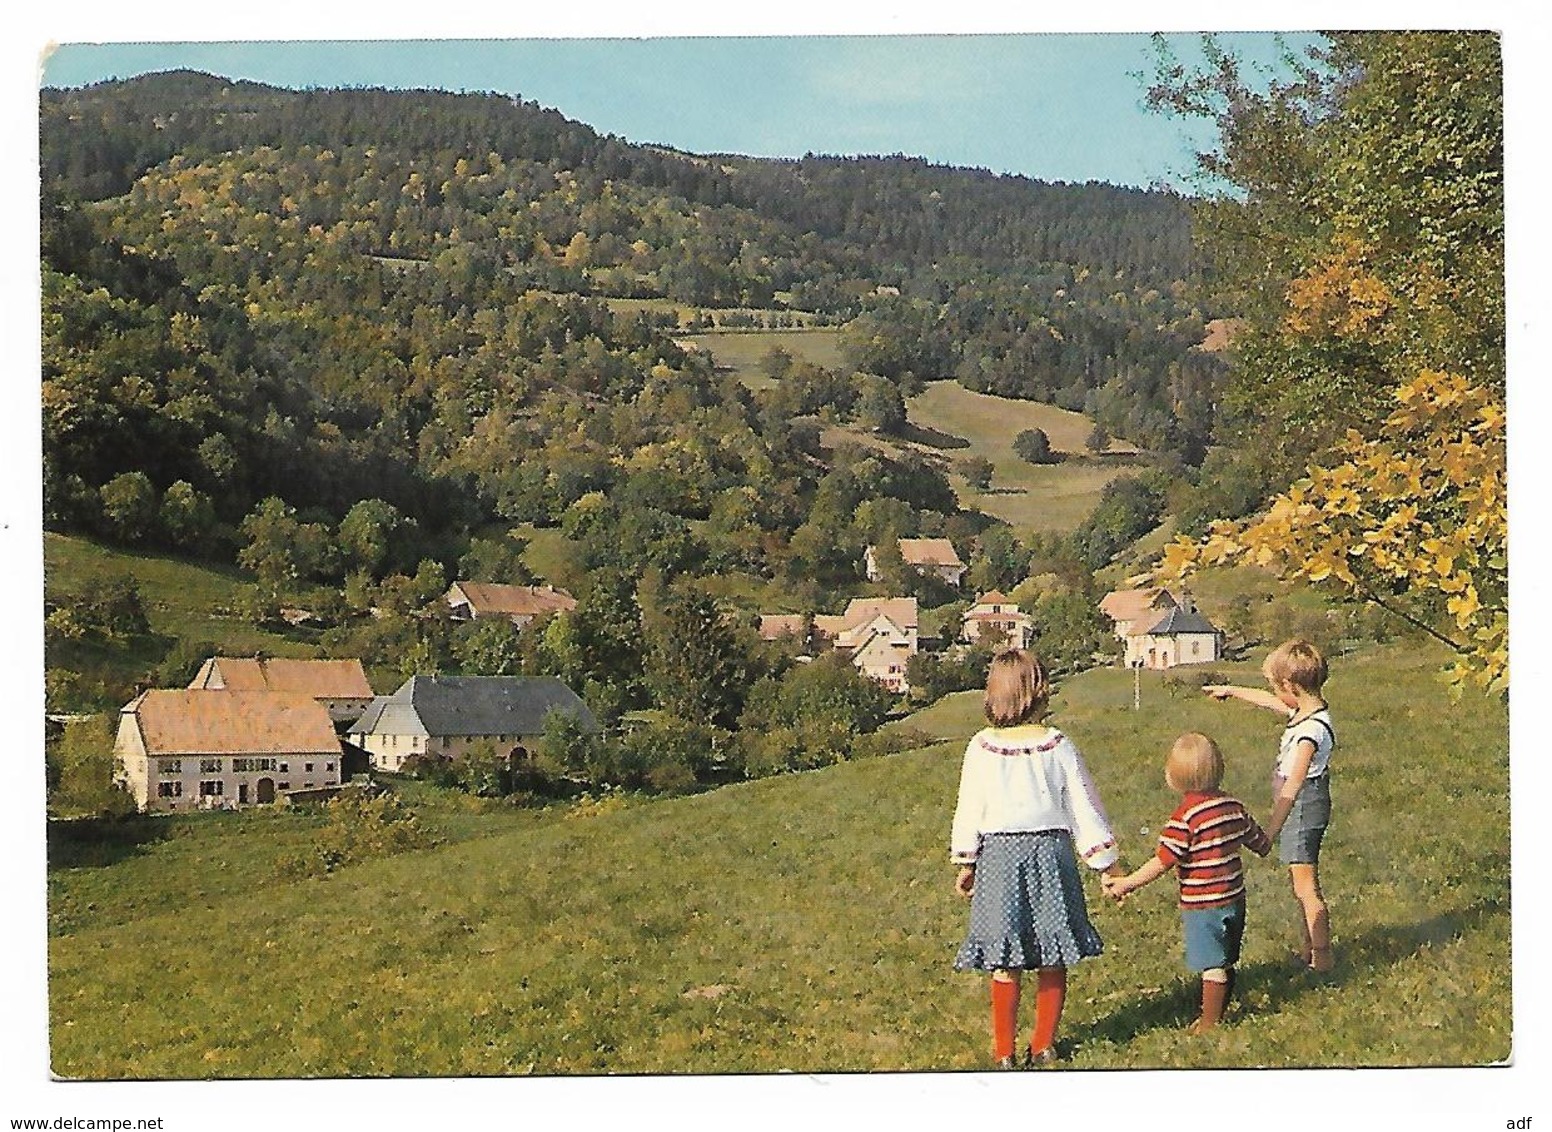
[(188, 516), (129, 506), (281, 549), (1414, 521), (977, 471), (881, 406), (1361, 242), (372, 536), (1034, 446), (694, 665), (1353, 224), (1098, 439)]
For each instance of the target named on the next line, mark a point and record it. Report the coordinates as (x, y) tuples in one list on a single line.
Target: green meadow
[(743, 351), (802, 923)]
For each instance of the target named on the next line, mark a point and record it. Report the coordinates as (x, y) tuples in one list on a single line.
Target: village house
[(880, 634), (339, 685), (790, 626), (1159, 630), (470, 601), (997, 615), (200, 748), (443, 716), (927, 555)]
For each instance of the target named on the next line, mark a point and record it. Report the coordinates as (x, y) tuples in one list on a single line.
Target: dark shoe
[(1045, 1057), (1006, 1063)]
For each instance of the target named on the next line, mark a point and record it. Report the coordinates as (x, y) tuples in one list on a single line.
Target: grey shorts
[(1299, 842)]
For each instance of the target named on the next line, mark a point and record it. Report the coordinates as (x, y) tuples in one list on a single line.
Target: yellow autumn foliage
[(1414, 519)]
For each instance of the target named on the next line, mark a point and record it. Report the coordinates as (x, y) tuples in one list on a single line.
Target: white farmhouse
[(926, 555), (998, 615), (879, 633), (443, 716), (197, 748), (339, 685)]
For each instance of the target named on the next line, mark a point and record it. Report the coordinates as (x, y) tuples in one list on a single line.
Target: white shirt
[(1023, 780), (1316, 727)]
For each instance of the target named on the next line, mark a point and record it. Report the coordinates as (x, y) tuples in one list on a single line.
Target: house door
[(242, 793), (266, 790)]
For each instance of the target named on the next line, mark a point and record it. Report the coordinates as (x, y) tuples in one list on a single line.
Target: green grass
[(800, 923), (184, 600), (949, 423), (742, 351)]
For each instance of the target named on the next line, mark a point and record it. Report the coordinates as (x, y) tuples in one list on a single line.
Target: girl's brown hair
[(1194, 763), (1017, 689), (1297, 664)]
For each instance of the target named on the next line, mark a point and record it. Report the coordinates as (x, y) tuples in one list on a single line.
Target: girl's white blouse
[(1023, 780)]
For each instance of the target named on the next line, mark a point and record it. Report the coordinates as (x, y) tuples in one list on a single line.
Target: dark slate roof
[(1178, 620), (473, 705)]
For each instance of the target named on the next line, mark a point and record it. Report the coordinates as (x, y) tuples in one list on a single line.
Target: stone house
[(880, 634), (470, 601), (339, 685), (443, 716), (201, 748), (998, 613), (927, 555)]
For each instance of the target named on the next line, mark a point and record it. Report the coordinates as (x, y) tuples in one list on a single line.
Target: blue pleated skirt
[(1027, 910)]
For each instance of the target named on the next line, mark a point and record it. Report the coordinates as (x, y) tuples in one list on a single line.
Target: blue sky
[(1061, 107)]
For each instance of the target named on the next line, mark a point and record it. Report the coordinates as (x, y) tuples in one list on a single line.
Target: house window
[(285, 786), (169, 789), (209, 766), (170, 766), (212, 788), (308, 767), (328, 766), (253, 764), (284, 767), (1196, 648)]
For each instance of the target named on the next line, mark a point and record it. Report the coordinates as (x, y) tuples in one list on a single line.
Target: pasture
[(801, 923)]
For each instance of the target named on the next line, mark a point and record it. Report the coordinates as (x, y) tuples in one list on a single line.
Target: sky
[(1057, 107)]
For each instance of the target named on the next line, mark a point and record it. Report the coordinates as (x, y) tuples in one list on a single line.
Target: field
[(799, 923), (183, 600), (951, 423), (743, 350)]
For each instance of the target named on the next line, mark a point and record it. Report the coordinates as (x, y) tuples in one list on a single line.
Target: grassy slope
[(801, 923), (952, 423), (742, 351), (184, 601)]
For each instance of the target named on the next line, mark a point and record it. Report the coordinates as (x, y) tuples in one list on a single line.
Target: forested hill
[(289, 319), (98, 140)]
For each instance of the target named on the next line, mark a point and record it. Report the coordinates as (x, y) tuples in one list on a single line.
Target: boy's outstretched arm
[(1256, 696), (1117, 887)]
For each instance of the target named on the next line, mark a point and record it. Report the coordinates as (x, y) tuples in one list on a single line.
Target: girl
[(1201, 842), (1025, 797), (1301, 807)]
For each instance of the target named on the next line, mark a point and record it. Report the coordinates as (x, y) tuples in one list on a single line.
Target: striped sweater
[(1201, 842)]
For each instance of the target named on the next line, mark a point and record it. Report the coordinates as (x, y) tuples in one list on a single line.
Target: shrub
[(360, 827)]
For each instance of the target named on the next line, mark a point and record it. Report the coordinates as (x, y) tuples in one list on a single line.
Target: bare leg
[(1315, 919)]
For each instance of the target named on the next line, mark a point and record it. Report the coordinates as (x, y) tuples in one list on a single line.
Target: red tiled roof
[(486, 598), (199, 721), (929, 552), (321, 679)]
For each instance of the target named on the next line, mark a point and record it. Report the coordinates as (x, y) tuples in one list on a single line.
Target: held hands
[(964, 883), (1115, 887)]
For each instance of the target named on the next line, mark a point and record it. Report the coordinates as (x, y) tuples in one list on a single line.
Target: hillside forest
[(342, 347)]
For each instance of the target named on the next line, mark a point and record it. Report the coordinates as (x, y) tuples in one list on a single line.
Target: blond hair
[(1017, 689), (1296, 664), (1194, 763)]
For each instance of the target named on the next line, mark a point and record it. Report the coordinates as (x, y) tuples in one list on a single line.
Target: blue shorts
[(1299, 842), (1213, 935)]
